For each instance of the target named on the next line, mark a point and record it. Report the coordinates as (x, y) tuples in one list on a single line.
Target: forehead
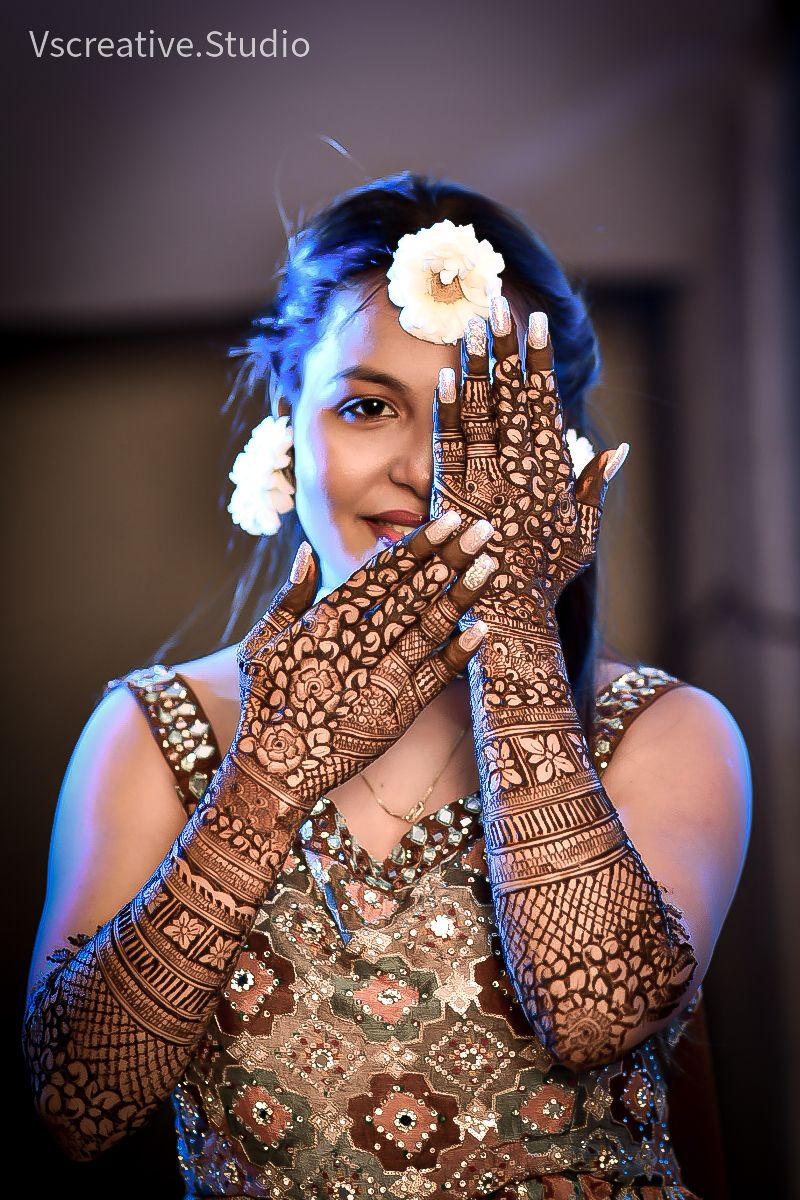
[(362, 325)]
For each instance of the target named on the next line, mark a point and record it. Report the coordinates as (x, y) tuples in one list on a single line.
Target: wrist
[(509, 609), (241, 832)]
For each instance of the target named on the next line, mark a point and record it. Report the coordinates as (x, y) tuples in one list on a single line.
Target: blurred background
[(654, 148)]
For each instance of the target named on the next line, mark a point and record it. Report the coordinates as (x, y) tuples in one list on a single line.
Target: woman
[(382, 957)]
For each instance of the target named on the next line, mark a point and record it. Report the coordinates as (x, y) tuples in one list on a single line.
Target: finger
[(371, 583), (590, 494), (505, 342), (538, 348), (459, 650), (420, 599), (441, 668), (477, 417), (437, 539), (475, 350), (440, 618), (449, 449), (549, 444), (293, 599), (512, 413)]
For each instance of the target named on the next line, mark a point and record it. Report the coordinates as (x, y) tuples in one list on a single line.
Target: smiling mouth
[(390, 530)]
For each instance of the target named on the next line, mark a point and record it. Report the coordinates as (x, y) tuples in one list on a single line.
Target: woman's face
[(363, 426)]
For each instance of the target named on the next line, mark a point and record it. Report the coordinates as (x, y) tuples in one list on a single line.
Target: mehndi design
[(110, 1029), (592, 947)]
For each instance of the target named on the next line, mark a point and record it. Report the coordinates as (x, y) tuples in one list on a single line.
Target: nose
[(411, 464)]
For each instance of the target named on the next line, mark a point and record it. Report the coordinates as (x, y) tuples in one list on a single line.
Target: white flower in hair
[(581, 451), (262, 491), (440, 277)]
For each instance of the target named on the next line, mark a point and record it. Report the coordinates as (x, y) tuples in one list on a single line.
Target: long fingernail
[(443, 526), (616, 461), (475, 337), (500, 315), (473, 636), (302, 561), (476, 536), (480, 571), (537, 331), (447, 385)]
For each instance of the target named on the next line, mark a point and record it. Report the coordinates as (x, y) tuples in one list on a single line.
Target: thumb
[(594, 479), (293, 599), (297, 594)]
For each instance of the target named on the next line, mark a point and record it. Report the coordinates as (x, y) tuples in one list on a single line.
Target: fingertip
[(303, 561), (615, 461), (538, 332), (500, 318), (472, 637), (446, 391), (475, 339)]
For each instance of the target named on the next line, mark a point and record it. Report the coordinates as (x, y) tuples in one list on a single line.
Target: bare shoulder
[(116, 817), (214, 679), (689, 729)]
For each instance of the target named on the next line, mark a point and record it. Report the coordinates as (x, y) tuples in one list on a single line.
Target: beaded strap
[(618, 705), (179, 725)]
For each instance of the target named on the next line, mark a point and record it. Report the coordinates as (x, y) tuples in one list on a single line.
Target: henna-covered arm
[(110, 1030), (593, 950)]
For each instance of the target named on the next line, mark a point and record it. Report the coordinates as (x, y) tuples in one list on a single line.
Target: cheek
[(328, 479)]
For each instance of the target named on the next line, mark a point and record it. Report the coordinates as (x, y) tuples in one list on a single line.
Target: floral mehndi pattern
[(593, 949), (121, 1018)]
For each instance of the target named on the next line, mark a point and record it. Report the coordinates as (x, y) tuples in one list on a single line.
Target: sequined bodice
[(369, 1042)]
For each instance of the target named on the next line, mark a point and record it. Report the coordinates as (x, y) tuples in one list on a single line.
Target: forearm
[(109, 1032), (591, 946)]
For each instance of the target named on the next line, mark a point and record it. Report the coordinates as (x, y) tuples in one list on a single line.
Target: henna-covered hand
[(500, 451), (109, 1031), (325, 696), (593, 950)]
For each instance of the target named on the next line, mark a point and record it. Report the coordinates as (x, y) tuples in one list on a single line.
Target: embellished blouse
[(369, 1042)]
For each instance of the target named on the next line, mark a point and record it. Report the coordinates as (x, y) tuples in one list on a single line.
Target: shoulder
[(690, 729), (214, 679), (117, 772), (117, 815)]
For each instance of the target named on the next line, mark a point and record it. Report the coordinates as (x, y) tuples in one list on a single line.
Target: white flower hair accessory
[(440, 277), (262, 491), (581, 451)]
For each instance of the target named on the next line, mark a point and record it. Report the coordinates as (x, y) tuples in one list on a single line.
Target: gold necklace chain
[(416, 812)]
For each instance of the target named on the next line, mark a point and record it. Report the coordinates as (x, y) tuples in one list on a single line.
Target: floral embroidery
[(403, 1121)]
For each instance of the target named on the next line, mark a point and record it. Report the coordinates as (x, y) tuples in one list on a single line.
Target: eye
[(370, 407)]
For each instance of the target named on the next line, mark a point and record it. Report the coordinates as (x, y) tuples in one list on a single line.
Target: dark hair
[(357, 233)]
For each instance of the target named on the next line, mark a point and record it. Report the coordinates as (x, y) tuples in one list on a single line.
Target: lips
[(386, 532), (394, 523)]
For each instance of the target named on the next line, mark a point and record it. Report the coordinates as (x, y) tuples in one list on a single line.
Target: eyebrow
[(371, 375)]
